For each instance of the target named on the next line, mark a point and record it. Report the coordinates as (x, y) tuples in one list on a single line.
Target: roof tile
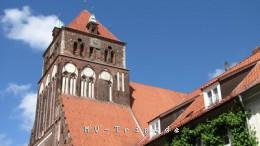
[(81, 112), (149, 102)]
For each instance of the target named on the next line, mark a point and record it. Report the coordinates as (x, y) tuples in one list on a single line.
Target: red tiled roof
[(81, 21), (149, 102), (250, 80), (81, 112), (196, 106)]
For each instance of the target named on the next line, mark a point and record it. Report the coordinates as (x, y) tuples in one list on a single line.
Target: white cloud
[(27, 108), (25, 111), (4, 140), (17, 89), (219, 71), (35, 30)]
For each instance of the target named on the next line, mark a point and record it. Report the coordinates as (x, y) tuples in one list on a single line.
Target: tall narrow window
[(118, 81), (81, 49), (112, 57), (105, 55), (75, 47), (123, 82), (209, 93), (107, 83), (78, 47), (91, 51), (215, 93)]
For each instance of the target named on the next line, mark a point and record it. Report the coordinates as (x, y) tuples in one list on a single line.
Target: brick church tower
[(84, 60)]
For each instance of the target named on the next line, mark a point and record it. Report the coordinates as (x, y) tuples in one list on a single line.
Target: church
[(85, 96)]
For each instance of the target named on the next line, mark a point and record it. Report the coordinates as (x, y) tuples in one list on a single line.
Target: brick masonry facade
[(82, 50)]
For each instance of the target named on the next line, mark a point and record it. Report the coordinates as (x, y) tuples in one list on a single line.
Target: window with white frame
[(212, 95), (155, 127)]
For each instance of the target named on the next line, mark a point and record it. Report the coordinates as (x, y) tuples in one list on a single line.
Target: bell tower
[(84, 60), (91, 61)]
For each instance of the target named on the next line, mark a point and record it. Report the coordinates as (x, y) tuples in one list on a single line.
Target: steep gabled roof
[(81, 21), (80, 112), (149, 102)]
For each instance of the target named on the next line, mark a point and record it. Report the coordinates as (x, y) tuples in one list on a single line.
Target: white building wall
[(253, 105)]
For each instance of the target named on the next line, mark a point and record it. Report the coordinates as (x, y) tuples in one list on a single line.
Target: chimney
[(256, 50), (226, 66)]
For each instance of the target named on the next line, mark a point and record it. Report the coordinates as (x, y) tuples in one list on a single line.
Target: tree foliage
[(208, 132)]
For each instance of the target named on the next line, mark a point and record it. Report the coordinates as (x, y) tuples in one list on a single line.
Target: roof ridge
[(211, 81), (94, 100), (143, 84)]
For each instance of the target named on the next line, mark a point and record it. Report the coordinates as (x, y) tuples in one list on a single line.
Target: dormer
[(92, 25), (155, 127), (212, 94)]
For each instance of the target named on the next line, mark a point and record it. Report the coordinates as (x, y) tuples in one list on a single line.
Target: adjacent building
[(238, 88)]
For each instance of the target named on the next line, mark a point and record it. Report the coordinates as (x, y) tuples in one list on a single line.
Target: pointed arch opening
[(69, 79), (88, 77), (81, 50), (106, 81)]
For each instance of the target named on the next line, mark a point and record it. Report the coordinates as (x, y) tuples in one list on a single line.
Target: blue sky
[(174, 44)]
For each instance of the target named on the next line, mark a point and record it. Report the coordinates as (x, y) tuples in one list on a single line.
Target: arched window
[(78, 47), (69, 79), (87, 82), (105, 55), (91, 52), (106, 80), (48, 80), (81, 49), (54, 72), (75, 47)]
